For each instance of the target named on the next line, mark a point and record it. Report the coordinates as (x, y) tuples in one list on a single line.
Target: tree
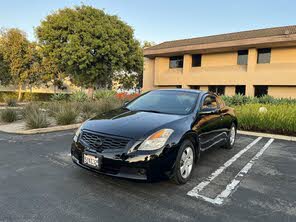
[(89, 45), (127, 80), (21, 57), (5, 76), (147, 44)]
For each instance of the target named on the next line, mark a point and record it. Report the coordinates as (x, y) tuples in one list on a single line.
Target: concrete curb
[(274, 136), (45, 130)]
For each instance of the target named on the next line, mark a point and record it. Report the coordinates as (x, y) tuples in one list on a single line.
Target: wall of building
[(222, 69)]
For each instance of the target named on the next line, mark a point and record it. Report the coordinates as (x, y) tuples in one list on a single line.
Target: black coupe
[(160, 133)]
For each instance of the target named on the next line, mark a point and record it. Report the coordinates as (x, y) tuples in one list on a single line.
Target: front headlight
[(156, 140), (77, 133)]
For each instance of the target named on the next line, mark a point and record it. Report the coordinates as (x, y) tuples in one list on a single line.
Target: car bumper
[(137, 165)]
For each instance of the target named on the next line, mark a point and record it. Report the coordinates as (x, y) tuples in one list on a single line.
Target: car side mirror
[(208, 111), (125, 103)]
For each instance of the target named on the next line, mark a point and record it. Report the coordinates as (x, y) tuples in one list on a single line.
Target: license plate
[(91, 160)]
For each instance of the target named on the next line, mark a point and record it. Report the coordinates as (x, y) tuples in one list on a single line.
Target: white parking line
[(204, 183), (237, 179)]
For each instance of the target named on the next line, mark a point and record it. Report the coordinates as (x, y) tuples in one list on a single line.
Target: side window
[(220, 101), (210, 102)]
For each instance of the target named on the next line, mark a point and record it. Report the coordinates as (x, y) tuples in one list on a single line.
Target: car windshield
[(171, 102)]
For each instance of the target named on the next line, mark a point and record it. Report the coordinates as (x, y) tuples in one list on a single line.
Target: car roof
[(184, 90)]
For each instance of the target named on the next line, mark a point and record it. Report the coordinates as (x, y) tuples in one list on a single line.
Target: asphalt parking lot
[(253, 182)]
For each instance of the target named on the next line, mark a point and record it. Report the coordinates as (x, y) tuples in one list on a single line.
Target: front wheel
[(231, 137), (184, 163)]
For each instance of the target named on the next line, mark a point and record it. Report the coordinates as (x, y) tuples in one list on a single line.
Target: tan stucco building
[(253, 63)]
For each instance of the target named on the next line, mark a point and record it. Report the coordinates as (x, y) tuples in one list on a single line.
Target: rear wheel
[(184, 163), (231, 137)]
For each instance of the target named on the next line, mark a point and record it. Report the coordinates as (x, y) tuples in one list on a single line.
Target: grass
[(35, 117), (66, 114), (8, 115), (279, 118)]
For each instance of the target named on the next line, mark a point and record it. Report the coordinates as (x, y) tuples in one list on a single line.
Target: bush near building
[(8, 116), (275, 118)]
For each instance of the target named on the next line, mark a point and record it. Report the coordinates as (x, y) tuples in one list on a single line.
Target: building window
[(194, 87), (196, 60), (178, 86), (176, 62), (220, 90), (261, 91), (242, 57), (240, 90), (263, 55)]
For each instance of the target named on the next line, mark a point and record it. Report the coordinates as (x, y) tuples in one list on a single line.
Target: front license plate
[(91, 160)]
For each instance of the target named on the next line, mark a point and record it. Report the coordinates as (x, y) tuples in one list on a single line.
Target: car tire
[(184, 163), (231, 138)]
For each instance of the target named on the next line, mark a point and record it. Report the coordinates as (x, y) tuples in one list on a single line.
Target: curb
[(274, 136), (45, 130)]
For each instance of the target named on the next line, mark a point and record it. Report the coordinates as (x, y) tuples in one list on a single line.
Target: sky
[(162, 20)]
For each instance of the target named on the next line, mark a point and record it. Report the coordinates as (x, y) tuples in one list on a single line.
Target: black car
[(160, 133)]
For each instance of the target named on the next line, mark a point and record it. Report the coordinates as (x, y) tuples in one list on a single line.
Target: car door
[(226, 119), (208, 122)]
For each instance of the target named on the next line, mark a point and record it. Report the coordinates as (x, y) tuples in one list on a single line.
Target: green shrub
[(78, 96), (104, 94), (237, 100), (279, 118), (10, 100), (67, 113), (35, 117), (88, 110), (59, 97), (8, 115), (105, 105)]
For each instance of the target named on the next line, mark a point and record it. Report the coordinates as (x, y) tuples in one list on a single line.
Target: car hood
[(131, 124)]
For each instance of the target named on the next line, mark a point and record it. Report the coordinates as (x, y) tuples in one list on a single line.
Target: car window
[(210, 102), (171, 102), (221, 103)]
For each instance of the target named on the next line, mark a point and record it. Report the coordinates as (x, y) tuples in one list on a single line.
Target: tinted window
[(210, 102), (176, 62), (242, 57), (196, 60), (240, 90), (263, 55), (165, 101), (261, 91), (220, 90)]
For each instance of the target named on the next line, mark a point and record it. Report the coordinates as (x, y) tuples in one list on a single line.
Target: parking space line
[(235, 182), (237, 179), (203, 184)]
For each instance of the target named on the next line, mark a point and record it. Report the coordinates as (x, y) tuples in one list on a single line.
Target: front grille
[(102, 142)]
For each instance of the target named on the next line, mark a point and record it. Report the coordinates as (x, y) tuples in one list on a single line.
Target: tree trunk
[(90, 92), (19, 92)]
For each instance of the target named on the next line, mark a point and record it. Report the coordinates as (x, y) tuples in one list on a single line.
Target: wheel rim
[(232, 135), (186, 162)]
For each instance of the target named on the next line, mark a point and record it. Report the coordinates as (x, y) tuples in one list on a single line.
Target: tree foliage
[(5, 76), (21, 58), (89, 45)]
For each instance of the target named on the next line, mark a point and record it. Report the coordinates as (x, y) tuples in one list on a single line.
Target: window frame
[(217, 91), (256, 88), (241, 55), (236, 87), (176, 58), (263, 52), (199, 62)]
